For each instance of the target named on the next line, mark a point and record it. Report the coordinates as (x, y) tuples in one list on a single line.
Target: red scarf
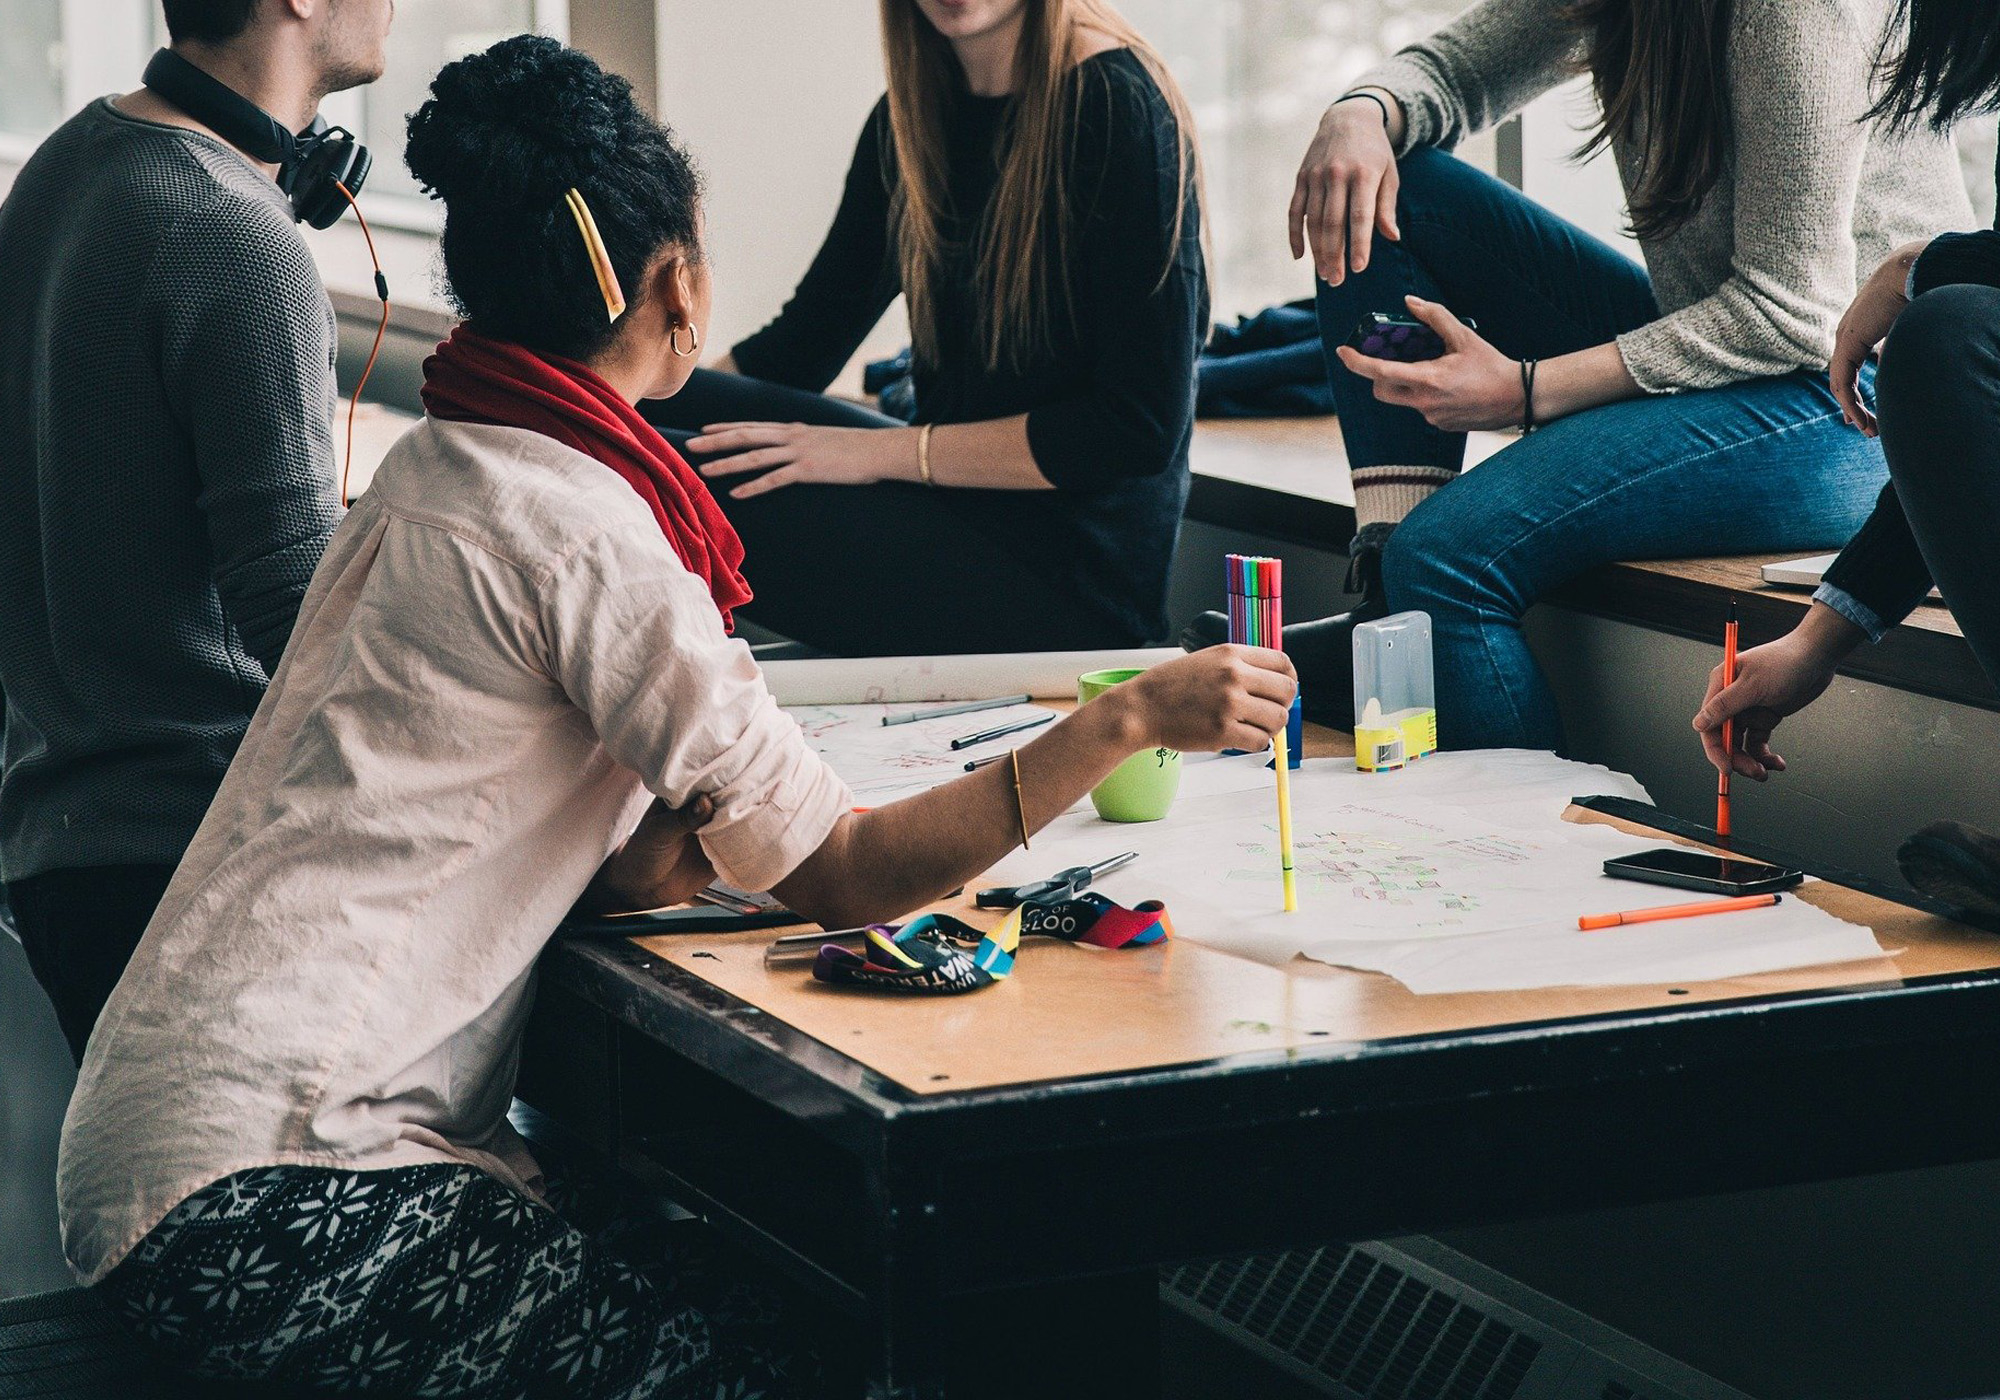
[(475, 379)]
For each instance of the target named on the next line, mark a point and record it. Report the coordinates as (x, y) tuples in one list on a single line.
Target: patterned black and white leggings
[(440, 1281)]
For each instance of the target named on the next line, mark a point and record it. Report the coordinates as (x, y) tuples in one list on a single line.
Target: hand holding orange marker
[(1591, 922), (1728, 727)]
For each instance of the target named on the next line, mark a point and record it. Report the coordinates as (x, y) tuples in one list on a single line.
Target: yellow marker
[(1285, 820)]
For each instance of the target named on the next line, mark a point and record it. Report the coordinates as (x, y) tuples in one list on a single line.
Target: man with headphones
[(166, 456)]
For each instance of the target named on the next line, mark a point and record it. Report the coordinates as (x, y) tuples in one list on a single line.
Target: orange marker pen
[(1677, 911), (1728, 727)]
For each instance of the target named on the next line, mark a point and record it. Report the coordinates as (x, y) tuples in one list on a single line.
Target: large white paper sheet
[(885, 762), (882, 763), (1457, 874), (1046, 675), (1557, 954)]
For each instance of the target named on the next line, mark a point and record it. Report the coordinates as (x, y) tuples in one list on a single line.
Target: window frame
[(413, 213), (122, 35)]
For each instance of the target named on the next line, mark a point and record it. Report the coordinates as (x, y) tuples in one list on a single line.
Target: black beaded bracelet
[(1367, 97), (1528, 368)]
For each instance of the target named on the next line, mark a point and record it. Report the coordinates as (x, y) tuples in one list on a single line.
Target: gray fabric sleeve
[(1482, 67), (247, 363), (1800, 72)]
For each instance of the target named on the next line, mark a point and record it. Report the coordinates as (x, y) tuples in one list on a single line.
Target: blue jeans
[(1765, 465)]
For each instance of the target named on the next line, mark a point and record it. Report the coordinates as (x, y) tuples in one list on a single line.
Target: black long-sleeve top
[(1109, 401), (1882, 569)]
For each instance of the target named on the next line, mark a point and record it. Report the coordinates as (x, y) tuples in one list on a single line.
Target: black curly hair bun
[(504, 134), (519, 124)]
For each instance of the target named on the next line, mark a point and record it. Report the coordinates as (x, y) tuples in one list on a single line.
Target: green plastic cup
[(1142, 788)]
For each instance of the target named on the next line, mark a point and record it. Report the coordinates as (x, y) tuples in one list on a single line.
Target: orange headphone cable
[(381, 328)]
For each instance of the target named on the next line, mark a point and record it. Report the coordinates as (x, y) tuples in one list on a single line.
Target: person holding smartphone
[(1673, 409), (1933, 310)]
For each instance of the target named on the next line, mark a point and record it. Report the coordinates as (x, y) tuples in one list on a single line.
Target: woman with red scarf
[(511, 689)]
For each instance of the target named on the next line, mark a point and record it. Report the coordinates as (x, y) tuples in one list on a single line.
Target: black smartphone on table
[(1697, 870), (1398, 338)]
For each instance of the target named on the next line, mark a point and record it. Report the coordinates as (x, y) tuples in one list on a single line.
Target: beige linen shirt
[(499, 661)]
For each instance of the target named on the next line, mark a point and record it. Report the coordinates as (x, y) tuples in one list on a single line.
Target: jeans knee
[(1426, 176), (1424, 569), (1946, 342), (1938, 386)]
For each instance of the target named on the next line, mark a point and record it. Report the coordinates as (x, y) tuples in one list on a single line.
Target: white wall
[(770, 96), (1588, 195)]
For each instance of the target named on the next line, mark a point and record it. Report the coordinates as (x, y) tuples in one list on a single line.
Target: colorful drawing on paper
[(1429, 881)]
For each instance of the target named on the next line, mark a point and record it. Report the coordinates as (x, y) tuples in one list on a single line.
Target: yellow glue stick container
[(1395, 692)]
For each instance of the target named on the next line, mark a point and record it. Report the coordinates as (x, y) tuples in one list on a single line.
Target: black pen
[(978, 763), (1002, 732)]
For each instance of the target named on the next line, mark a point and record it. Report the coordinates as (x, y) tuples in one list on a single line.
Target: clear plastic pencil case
[(1395, 692)]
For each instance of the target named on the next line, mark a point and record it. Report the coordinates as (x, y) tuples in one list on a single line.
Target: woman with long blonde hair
[(1029, 185)]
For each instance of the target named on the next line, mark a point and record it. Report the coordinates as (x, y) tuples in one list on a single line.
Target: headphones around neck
[(313, 165)]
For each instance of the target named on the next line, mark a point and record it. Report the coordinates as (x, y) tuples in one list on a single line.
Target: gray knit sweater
[(1812, 201), (166, 480)]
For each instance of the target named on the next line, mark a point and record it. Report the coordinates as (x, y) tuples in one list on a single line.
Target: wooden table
[(990, 1181)]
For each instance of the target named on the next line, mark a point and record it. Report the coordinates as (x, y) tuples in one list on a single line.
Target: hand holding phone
[(1398, 338)]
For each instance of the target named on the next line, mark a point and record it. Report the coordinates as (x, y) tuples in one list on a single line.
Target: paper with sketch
[(1456, 874), (885, 762), (882, 763), (1046, 675)]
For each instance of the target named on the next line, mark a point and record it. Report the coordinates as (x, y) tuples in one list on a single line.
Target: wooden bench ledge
[(1926, 655)]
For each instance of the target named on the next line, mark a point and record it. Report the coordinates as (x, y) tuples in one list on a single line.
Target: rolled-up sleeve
[(636, 643), (1881, 576), (1140, 297)]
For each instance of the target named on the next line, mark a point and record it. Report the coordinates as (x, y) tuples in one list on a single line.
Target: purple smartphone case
[(1393, 338)]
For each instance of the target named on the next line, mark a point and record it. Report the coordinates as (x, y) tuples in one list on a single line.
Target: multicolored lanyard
[(937, 954)]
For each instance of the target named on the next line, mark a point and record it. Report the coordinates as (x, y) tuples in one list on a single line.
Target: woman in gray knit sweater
[(1679, 409)]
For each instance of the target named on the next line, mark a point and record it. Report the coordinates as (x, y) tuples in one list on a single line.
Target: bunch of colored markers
[(1255, 586), (1256, 600)]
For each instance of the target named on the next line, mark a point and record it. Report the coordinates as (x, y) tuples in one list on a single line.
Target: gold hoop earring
[(674, 341)]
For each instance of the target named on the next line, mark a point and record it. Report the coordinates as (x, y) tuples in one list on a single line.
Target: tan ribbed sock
[(1387, 494)]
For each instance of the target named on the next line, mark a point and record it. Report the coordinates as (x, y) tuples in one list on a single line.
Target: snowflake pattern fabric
[(441, 1282)]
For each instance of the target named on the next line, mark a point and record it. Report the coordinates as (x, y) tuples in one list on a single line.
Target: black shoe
[(1958, 865), (1323, 649)]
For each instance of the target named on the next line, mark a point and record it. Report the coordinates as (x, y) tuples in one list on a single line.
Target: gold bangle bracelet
[(924, 454), (1020, 803)]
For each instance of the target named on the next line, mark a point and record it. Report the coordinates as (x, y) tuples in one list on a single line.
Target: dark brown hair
[(1661, 69), (1940, 61)]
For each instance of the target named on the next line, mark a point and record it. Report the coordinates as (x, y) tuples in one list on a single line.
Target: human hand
[(1470, 387), (1772, 682), (1345, 191), (1866, 324), (661, 862), (1222, 697), (789, 454)]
